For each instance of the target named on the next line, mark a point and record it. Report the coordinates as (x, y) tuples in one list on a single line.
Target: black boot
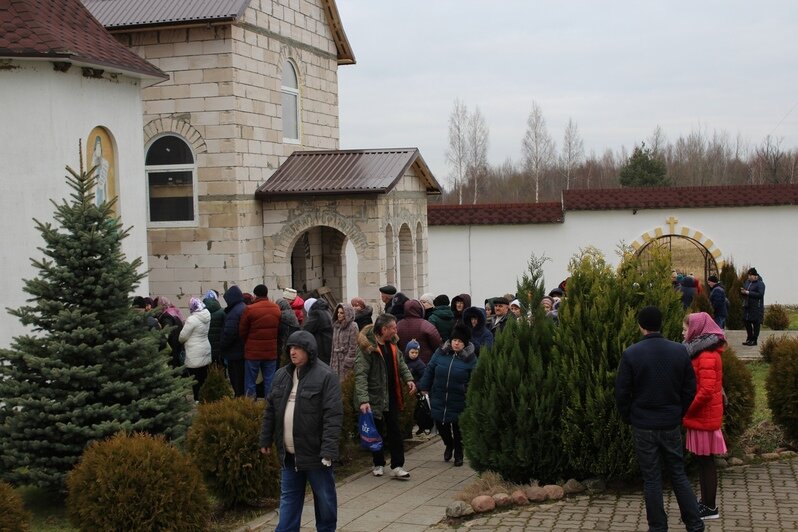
[(447, 454), (458, 456)]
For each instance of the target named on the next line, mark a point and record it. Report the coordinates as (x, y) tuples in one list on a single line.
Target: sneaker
[(377, 471), (400, 474), (705, 512)]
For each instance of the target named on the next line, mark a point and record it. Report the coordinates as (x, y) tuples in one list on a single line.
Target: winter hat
[(358, 302), (442, 299), (309, 303), (688, 281), (515, 303), (427, 299), (555, 292), (712, 278), (460, 332), (289, 294), (501, 300), (412, 344), (211, 294), (388, 289), (752, 271), (650, 318), (261, 291), (195, 305)]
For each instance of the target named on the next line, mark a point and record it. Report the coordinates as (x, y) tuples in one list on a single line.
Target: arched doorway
[(421, 260), (318, 259), (390, 261), (406, 262), (689, 256)]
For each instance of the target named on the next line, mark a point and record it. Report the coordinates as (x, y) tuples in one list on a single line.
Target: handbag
[(423, 413), (370, 438)]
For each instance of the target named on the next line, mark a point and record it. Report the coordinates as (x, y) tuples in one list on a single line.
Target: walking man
[(380, 370), (654, 388), (717, 297), (303, 418)]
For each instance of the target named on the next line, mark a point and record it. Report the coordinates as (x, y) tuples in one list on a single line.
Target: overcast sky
[(618, 68)]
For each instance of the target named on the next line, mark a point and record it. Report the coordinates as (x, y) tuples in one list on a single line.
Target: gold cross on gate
[(672, 221)]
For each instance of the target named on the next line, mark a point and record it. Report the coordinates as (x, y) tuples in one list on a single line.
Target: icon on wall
[(100, 154)]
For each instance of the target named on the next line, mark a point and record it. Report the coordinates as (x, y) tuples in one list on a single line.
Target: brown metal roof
[(346, 172), (132, 15), (495, 214), (64, 30)]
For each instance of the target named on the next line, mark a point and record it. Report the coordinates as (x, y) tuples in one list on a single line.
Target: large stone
[(770, 456), (483, 503), (502, 499), (458, 509), (573, 486), (787, 454), (594, 485), (734, 461), (535, 494), (520, 498), (553, 492), (721, 463)]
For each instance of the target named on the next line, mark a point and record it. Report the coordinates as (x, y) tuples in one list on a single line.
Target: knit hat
[(427, 299), (195, 304), (752, 271), (388, 289), (358, 302), (441, 300), (289, 294), (555, 292), (515, 303), (460, 332), (261, 291), (650, 318), (309, 303), (712, 278), (412, 344)]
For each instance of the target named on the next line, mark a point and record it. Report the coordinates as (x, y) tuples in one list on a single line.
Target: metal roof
[(114, 14), (495, 214), (346, 172), (64, 30)]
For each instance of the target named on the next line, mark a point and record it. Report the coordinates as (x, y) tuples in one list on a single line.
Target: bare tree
[(769, 159), (657, 141), (457, 154), (573, 152), (477, 150), (538, 148)]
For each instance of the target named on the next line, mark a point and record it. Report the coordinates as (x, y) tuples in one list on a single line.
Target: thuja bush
[(738, 383), (13, 516), (216, 386), (223, 442), (349, 430), (137, 483), (513, 406), (770, 344), (776, 317), (782, 388), (701, 304), (407, 418), (732, 282)]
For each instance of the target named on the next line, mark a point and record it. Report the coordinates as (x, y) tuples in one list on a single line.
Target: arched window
[(290, 90), (171, 182)]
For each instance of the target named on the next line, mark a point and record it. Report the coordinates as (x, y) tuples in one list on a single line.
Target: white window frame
[(163, 168), (291, 91)]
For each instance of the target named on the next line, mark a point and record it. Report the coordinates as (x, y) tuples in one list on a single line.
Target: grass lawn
[(763, 436)]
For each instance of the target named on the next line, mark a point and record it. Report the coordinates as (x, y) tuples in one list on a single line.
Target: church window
[(291, 107), (171, 182)]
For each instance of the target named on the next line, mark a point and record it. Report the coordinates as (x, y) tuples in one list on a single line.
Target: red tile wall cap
[(495, 214)]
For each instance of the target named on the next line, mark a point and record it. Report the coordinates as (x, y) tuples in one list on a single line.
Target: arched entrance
[(318, 259), (406, 262), (688, 255)]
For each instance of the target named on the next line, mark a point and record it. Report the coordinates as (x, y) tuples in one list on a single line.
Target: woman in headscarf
[(194, 337), (705, 342), (363, 312), (344, 340), (171, 320)]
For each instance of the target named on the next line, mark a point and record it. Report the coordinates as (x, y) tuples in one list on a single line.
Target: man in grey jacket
[(303, 418)]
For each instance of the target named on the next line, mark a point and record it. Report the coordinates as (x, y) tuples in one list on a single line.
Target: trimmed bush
[(216, 386), (782, 387), (777, 318), (701, 304), (347, 445), (13, 516), (769, 346), (223, 442), (406, 417), (136, 482), (732, 282), (738, 384)]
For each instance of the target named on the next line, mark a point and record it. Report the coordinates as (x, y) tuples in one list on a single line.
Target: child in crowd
[(422, 415)]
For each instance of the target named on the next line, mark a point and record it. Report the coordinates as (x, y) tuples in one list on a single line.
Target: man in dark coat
[(230, 341), (386, 295), (319, 324), (442, 316), (654, 387), (718, 300), (753, 292), (414, 326), (502, 314), (303, 417)]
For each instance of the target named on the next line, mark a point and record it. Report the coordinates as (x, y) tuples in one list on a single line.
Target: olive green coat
[(371, 377)]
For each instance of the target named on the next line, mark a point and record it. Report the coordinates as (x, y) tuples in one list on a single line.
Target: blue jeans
[(651, 447), (292, 497), (267, 367)]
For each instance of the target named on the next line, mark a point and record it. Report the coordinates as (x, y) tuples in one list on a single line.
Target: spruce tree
[(511, 421), (90, 367)]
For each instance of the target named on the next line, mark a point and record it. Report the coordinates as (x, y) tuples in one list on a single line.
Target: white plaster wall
[(44, 114), (486, 260)]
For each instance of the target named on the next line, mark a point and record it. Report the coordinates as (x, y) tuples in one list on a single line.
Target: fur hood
[(367, 342), (349, 316)]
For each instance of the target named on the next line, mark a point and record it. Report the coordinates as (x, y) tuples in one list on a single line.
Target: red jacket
[(706, 410), (258, 328)]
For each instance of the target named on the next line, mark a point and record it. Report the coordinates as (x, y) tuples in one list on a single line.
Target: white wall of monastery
[(486, 260), (44, 115)]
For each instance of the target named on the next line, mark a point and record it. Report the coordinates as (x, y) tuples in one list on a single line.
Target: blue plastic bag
[(370, 438)]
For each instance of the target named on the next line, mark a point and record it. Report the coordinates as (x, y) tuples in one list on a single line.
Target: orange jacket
[(259, 328)]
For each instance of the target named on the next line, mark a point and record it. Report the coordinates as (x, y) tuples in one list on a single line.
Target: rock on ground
[(483, 503)]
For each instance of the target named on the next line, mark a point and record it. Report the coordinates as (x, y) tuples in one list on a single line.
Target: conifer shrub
[(216, 387), (732, 282), (738, 383), (89, 367), (770, 344), (223, 442), (514, 405), (701, 304), (407, 416), (137, 483), (13, 516), (349, 430), (776, 317), (782, 387)]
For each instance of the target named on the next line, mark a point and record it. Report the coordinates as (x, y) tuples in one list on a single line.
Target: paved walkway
[(736, 339), (762, 497)]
